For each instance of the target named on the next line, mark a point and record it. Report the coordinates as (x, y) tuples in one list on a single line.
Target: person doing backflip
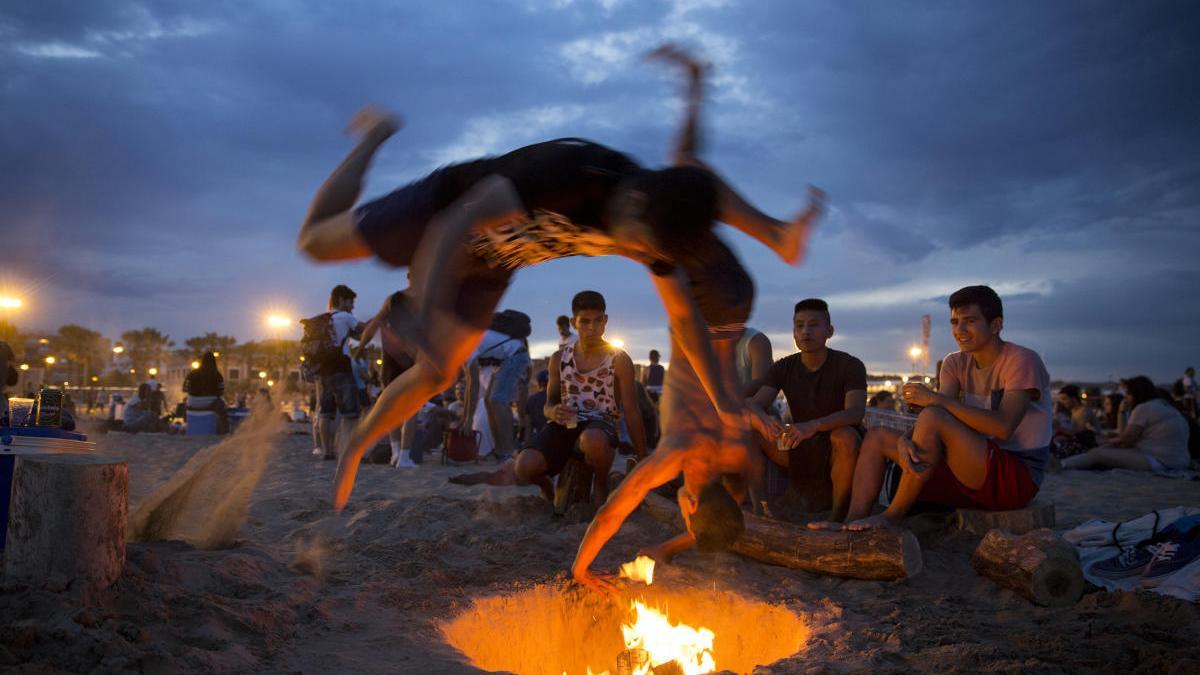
[(465, 229)]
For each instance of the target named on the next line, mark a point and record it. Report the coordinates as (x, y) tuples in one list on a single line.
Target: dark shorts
[(337, 394), (557, 443), (394, 225), (1009, 485)]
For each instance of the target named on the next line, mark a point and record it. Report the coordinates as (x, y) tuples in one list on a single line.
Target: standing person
[(497, 375), (205, 389), (1154, 439), (654, 376), (565, 336), (398, 356), (467, 228), (337, 392), (826, 392), (981, 441)]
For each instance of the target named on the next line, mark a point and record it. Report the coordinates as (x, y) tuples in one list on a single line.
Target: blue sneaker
[(1132, 561), (1171, 556)]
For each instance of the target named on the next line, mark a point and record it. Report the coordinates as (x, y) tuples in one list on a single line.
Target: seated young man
[(980, 442), (591, 387), (826, 392)]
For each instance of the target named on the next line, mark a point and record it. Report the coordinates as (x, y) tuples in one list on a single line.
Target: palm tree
[(83, 348), (210, 342), (146, 347)]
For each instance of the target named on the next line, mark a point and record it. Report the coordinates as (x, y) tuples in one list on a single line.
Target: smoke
[(206, 501)]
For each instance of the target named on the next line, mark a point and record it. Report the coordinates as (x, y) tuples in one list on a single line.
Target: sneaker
[(1132, 561), (404, 461), (316, 451), (1172, 556)]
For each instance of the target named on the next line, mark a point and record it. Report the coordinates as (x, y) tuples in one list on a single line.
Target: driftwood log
[(67, 521), (1039, 565), (885, 554), (1033, 517)]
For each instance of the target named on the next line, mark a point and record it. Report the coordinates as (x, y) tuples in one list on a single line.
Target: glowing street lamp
[(262, 374), (278, 321), (9, 302), (915, 352), (118, 349), (378, 362), (270, 383), (24, 366), (95, 378), (153, 371), (195, 365), (50, 360), (133, 371)]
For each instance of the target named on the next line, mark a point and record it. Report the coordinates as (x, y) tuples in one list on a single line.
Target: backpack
[(512, 323), (321, 352)]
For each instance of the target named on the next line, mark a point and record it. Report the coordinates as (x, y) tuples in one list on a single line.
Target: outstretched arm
[(659, 468)]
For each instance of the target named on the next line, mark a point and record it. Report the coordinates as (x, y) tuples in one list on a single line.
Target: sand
[(303, 590)]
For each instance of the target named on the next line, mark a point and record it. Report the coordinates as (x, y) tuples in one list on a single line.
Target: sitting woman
[(205, 389), (138, 415), (1154, 439), (1080, 425)]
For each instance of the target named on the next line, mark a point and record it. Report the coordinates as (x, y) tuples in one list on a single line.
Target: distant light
[(43, 341), (95, 379), (66, 384), (10, 303), (262, 374), (153, 371), (133, 371), (118, 349), (378, 362), (50, 360), (1083, 394), (216, 354), (927, 379), (915, 352), (616, 342), (270, 383), (301, 357), (195, 365), (887, 383), (24, 366), (278, 321)]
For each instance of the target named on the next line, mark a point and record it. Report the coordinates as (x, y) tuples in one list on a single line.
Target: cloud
[(493, 134), (57, 50)]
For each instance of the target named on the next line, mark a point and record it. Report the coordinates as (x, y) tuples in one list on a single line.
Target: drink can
[(49, 408), (781, 441)]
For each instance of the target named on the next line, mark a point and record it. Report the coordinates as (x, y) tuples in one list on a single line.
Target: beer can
[(49, 408)]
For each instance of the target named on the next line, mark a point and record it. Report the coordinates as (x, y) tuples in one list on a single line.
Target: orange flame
[(690, 647), (641, 569)]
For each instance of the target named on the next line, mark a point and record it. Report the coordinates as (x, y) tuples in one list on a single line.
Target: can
[(48, 411)]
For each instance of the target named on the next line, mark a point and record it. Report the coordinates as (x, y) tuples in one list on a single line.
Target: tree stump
[(1039, 565), (885, 554), (67, 521), (574, 485), (1019, 521)]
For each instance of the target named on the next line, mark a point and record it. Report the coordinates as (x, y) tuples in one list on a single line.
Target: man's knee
[(931, 419), (433, 376), (530, 465), (595, 445), (878, 441), (845, 441)]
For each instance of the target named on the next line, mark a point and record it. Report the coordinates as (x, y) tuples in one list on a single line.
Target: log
[(884, 554), (1039, 565), (67, 521), (574, 485), (1019, 521)]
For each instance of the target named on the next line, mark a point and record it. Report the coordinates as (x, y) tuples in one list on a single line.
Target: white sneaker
[(317, 451), (405, 460)]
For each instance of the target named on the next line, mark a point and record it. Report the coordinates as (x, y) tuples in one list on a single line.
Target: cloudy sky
[(158, 156)]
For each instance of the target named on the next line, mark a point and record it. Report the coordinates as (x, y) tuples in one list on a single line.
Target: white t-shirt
[(1164, 433), (344, 324), (498, 346), (1016, 368)]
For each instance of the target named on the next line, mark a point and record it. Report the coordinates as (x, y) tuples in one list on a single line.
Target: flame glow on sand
[(554, 628)]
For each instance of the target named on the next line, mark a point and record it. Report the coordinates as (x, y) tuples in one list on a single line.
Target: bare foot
[(375, 122), (831, 525), (869, 523), (671, 53), (795, 240)]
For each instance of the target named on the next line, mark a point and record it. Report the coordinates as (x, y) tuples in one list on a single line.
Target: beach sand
[(303, 590)]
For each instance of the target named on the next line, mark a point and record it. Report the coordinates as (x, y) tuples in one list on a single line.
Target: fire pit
[(555, 629)]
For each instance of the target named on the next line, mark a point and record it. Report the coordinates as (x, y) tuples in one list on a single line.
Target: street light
[(915, 352), (118, 349), (195, 365), (50, 360), (153, 371), (9, 302), (24, 366), (278, 321), (262, 374)]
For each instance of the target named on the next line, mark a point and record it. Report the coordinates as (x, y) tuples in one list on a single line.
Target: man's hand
[(915, 393), (564, 413), (599, 582), (796, 434), (737, 418), (909, 456)]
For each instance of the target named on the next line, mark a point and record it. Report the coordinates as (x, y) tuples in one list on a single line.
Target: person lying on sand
[(467, 228), (980, 442)]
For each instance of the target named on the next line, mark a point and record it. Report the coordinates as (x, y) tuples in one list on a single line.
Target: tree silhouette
[(83, 348), (210, 341), (146, 347)]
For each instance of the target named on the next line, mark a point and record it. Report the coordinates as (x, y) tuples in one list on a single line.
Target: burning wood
[(640, 569)]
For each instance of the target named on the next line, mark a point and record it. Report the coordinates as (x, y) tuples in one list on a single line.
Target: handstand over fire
[(465, 229)]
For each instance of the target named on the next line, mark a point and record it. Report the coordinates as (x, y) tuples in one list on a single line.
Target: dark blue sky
[(158, 157)]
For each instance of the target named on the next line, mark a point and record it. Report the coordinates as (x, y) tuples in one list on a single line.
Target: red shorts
[(1008, 484)]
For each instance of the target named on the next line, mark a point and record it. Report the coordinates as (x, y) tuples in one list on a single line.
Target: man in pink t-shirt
[(982, 440)]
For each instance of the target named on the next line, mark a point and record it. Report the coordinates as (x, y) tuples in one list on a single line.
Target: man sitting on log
[(826, 391), (981, 442)]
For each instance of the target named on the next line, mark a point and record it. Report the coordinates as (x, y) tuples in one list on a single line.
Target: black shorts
[(394, 225), (557, 443)]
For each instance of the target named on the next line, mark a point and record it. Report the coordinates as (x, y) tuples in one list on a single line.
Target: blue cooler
[(31, 441), (201, 423)]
